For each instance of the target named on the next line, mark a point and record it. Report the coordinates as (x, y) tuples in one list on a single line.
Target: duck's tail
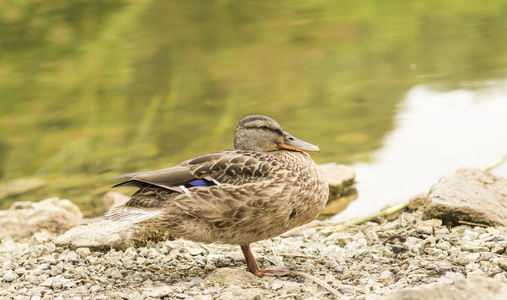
[(129, 214)]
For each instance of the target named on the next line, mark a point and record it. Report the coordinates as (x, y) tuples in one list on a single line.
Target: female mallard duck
[(264, 187)]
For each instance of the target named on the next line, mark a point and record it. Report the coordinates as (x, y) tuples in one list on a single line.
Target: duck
[(267, 185)]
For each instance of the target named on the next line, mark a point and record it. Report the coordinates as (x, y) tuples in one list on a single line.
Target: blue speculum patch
[(199, 182)]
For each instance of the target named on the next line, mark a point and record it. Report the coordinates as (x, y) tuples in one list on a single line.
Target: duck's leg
[(253, 267)]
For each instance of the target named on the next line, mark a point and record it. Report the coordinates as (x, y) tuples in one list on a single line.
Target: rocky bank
[(409, 255)]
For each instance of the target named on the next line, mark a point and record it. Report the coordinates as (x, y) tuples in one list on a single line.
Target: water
[(436, 133), (95, 89)]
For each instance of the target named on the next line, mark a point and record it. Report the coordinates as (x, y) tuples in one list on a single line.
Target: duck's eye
[(264, 127)]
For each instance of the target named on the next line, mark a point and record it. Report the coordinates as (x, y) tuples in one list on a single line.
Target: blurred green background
[(93, 89)]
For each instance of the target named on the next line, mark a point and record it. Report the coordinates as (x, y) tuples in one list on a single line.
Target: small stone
[(158, 292), (95, 288), (9, 276), (130, 253), (454, 250), (194, 282), (57, 283), (385, 275), (32, 279), (484, 236), (83, 251), (276, 286), (472, 257), (213, 256), (397, 249), (475, 249), (141, 260), (496, 239), (237, 257), (40, 269), (193, 249), (445, 246), (58, 269), (502, 263), (20, 271), (68, 284), (48, 282), (469, 235), (114, 273), (446, 280), (499, 248), (72, 257)]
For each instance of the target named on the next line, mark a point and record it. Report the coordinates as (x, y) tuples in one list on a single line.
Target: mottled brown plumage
[(261, 189)]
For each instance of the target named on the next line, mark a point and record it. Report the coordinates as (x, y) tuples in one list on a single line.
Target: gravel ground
[(361, 262)]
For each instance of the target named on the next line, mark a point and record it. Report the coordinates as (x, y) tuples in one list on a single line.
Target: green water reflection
[(93, 89)]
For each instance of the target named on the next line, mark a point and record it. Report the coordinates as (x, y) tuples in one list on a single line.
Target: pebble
[(193, 249), (9, 276), (48, 282), (469, 235), (194, 282), (276, 286), (502, 263), (83, 251), (72, 257), (114, 273)]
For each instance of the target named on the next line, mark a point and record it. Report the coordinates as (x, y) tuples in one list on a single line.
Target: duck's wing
[(235, 167)]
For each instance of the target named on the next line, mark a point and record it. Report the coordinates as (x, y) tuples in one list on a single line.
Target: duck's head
[(261, 133)]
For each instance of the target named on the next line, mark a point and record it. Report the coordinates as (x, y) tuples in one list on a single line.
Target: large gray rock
[(53, 215), (471, 288), (470, 195), (104, 235)]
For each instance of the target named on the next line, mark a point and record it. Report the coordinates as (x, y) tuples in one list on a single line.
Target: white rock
[(48, 282), (158, 292), (83, 251), (386, 274), (193, 249), (72, 256), (9, 276), (276, 286), (114, 273)]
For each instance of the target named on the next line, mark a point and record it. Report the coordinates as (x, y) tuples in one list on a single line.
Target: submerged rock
[(470, 195), (340, 178)]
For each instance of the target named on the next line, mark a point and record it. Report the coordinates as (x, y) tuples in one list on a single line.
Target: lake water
[(404, 91)]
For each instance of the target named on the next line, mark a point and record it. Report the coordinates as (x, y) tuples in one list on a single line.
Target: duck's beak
[(291, 143)]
